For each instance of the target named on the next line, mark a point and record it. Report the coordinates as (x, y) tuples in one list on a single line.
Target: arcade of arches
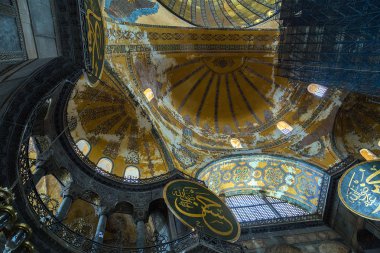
[(96, 119)]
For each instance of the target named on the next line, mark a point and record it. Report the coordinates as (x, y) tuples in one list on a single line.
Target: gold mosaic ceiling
[(224, 94), (209, 86), (106, 118), (357, 125), (223, 13)]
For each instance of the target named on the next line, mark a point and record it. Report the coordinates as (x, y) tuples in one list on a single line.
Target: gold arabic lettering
[(197, 205), (94, 36), (358, 190)]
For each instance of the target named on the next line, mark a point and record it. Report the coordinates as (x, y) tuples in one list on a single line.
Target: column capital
[(140, 215), (71, 191), (44, 157), (102, 210)]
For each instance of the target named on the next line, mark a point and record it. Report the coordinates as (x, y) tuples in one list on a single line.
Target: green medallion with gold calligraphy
[(199, 208), (95, 38), (359, 189)]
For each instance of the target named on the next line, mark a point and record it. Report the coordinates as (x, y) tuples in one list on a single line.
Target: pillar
[(101, 228), (140, 231), (64, 207)]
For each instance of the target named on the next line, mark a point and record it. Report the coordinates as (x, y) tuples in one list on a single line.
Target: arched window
[(132, 172), (105, 164), (84, 147), (149, 94), (256, 207), (317, 89), (284, 127), (368, 155), (235, 143)]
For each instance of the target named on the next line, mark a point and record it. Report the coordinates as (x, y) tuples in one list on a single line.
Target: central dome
[(225, 95), (223, 13)]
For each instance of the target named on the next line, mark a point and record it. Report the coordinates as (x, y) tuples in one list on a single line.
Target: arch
[(120, 230), (49, 189), (158, 204), (105, 164), (82, 218), (84, 146), (291, 180), (91, 197), (317, 89), (63, 175), (132, 172), (356, 127), (123, 207), (284, 127), (158, 222)]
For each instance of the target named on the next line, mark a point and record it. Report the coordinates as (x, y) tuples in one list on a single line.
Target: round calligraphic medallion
[(95, 38), (359, 189), (197, 207)]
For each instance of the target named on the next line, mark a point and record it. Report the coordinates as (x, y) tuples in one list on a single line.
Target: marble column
[(101, 228), (140, 232), (64, 207)]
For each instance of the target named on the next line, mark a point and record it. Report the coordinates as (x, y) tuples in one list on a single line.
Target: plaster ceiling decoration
[(223, 13), (357, 125), (296, 182), (116, 130)]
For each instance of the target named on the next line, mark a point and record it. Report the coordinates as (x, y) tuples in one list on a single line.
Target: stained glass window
[(256, 207)]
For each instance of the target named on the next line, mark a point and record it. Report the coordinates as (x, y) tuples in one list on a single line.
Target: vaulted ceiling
[(223, 13), (208, 87)]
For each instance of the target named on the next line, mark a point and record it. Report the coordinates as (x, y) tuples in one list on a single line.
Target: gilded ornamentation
[(83, 226), (241, 174), (274, 176), (197, 207), (114, 128), (95, 38), (284, 178), (359, 189), (51, 203)]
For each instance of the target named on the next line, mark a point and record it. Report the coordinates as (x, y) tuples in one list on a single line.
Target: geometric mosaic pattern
[(293, 181)]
